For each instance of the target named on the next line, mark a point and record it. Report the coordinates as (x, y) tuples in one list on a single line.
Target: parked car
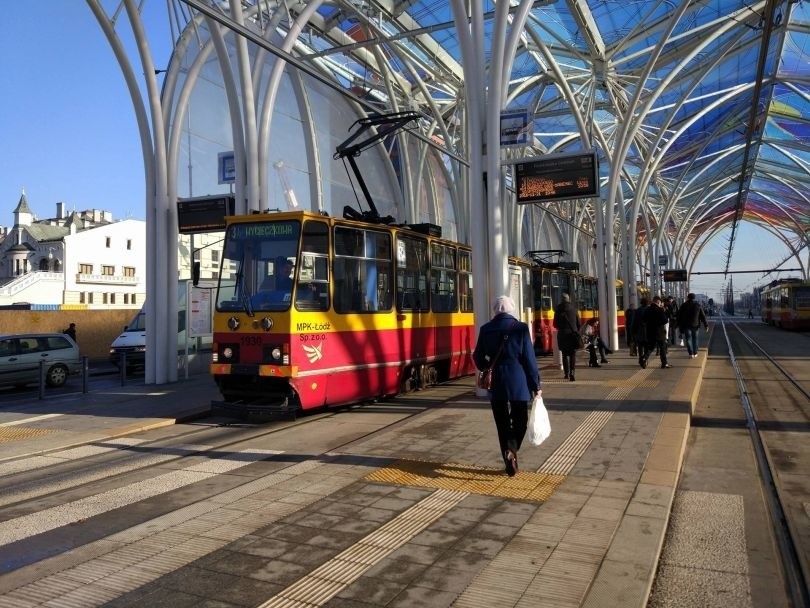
[(20, 355)]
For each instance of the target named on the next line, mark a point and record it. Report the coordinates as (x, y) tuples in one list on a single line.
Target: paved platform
[(421, 513)]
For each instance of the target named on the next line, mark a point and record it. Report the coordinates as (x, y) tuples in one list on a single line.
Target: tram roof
[(721, 118)]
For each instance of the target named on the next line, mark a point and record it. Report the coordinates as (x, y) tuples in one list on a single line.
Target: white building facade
[(73, 259), (86, 259)]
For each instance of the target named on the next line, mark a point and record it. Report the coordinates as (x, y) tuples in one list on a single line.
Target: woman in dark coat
[(566, 322), (515, 377)]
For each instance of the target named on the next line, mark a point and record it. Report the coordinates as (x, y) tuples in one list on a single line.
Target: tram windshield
[(258, 266)]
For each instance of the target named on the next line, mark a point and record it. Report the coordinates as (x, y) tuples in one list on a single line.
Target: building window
[(112, 298), (82, 298), (108, 271), (89, 297), (85, 269), (215, 276), (215, 256), (129, 271), (108, 242), (129, 243), (133, 299), (104, 297)]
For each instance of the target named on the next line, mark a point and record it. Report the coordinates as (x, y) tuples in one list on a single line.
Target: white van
[(132, 341)]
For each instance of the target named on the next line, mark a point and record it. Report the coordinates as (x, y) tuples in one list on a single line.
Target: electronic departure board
[(556, 177), (204, 213), (671, 276)]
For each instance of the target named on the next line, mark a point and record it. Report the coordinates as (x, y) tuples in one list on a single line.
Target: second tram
[(786, 303)]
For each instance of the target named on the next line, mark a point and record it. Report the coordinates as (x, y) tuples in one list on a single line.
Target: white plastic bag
[(539, 427)]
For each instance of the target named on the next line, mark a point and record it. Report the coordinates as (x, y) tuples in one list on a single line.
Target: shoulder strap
[(503, 343)]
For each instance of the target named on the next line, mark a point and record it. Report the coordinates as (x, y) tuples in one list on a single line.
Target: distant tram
[(786, 303), (550, 280)]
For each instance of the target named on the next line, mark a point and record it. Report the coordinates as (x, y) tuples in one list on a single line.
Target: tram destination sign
[(557, 177), (204, 213)]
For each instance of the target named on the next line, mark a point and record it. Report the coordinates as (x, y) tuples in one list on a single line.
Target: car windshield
[(138, 323)]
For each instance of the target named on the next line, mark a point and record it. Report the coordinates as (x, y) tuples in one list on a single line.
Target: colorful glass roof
[(712, 95)]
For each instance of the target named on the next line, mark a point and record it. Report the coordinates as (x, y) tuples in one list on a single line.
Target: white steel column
[(470, 32)]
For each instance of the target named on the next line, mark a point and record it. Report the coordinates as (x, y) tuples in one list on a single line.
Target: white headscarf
[(504, 304)]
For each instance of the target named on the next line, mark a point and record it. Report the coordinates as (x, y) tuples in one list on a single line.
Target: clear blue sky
[(68, 132)]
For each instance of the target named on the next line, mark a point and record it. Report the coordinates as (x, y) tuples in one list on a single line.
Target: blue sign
[(226, 167), (515, 127)]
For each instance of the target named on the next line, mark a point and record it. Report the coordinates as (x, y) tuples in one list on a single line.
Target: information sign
[(226, 168), (204, 213), (557, 177), (515, 127), (675, 276)]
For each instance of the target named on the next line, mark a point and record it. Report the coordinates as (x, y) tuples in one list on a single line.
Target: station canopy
[(712, 94)]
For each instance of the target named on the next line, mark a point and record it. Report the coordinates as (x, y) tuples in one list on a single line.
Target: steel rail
[(791, 566)]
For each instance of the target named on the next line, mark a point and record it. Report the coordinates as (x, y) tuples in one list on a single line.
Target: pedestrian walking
[(639, 331), (690, 318), (657, 321), (594, 343), (566, 322), (70, 331), (505, 344), (672, 316)]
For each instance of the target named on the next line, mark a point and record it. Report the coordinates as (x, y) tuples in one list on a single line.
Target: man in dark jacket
[(656, 319), (672, 312), (690, 318), (639, 331), (566, 322), (505, 345)]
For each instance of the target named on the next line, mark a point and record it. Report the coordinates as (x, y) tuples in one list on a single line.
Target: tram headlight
[(276, 354), (227, 352), (267, 323), (233, 323)]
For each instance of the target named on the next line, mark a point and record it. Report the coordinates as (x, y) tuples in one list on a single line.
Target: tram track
[(757, 411), (51, 479)]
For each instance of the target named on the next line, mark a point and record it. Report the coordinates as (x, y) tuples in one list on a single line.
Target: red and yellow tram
[(550, 281), (786, 303), (363, 311)]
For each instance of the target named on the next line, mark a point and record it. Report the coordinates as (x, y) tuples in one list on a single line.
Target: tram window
[(361, 280), (315, 237), (312, 290), (619, 297), (412, 274), (465, 282), (802, 297), (443, 278)]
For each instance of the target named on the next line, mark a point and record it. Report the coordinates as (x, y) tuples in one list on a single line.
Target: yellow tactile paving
[(526, 485), (21, 432)]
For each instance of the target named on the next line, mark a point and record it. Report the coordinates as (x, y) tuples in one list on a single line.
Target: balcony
[(107, 279)]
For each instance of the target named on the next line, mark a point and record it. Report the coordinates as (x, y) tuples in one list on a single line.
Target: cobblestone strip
[(164, 544), (329, 579)]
